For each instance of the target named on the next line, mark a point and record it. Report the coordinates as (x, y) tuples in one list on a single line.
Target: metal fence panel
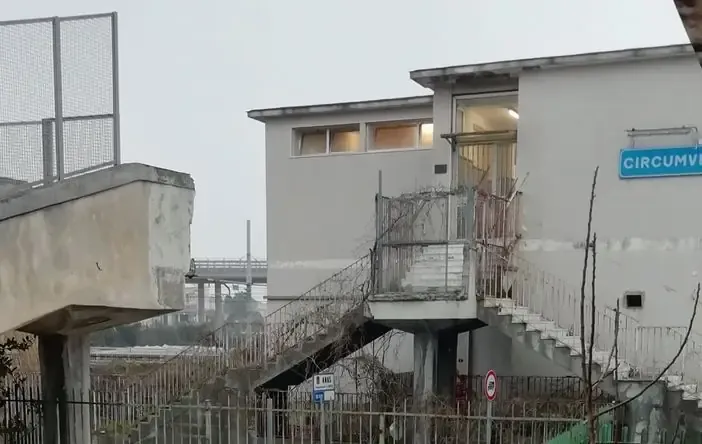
[(229, 417), (59, 104)]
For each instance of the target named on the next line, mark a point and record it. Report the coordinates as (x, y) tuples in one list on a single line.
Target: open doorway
[(486, 152)]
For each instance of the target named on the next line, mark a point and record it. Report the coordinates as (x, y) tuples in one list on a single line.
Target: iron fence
[(59, 99), (234, 418)]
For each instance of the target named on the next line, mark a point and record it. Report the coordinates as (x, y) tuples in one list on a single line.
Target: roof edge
[(266, 114), (512, 68)]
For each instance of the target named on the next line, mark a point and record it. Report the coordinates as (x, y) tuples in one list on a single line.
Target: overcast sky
[(191, 69)]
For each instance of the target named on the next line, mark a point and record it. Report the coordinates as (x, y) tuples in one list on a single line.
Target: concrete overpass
[(209, 270)]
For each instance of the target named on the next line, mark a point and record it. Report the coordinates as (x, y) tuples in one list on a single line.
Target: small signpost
[(323, 388), (323, 391), (490, 389)]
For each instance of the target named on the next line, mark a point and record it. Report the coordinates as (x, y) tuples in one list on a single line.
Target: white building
[(569, 114)]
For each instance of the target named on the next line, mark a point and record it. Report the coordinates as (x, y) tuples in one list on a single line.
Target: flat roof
[(263, 115), (512, 68), (480, 71)]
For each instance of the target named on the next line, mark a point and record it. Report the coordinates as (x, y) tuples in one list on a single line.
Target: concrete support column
[(435, 355), (201, 302), (446, 366), (65, 373), (219, 312), (425, 356)]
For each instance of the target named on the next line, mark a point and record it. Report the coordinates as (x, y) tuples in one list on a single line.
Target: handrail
[(228, 263), (322, 306)]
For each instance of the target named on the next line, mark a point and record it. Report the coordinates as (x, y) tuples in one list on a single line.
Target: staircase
[(305, 336), (542, 312), (436, 268)]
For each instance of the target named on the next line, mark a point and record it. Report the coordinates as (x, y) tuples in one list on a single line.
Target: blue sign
[(660, 162), (318, 396)]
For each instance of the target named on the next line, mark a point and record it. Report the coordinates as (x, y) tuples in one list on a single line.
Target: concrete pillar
[(435, 365), (434, 374), (201, 302), (425, 356), (446, 365), (219, 312), (65, 373)]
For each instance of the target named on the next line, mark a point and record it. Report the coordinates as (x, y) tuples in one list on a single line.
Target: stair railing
[(496, 218), (646, 350), (322, 306)]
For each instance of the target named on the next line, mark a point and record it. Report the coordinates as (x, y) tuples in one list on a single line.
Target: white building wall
[(648, 229)]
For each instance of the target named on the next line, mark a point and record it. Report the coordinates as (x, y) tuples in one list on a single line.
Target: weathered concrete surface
[(105, 248), (65, 368)]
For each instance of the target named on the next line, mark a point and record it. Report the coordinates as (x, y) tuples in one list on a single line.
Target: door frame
[(485, 97)]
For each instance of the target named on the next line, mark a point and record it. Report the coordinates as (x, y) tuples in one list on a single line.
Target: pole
[(58, 99), (323, 424), (488, 428), (47, 148), (379, 218), (117, 151), (249, 278)]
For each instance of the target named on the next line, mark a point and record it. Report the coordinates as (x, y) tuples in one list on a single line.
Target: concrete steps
[(564, 348), (437, 268)]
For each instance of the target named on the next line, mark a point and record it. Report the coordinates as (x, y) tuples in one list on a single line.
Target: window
[(390, 136), (314, 141)]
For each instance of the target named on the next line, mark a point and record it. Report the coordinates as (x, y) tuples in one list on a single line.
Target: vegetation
[(14, 425)]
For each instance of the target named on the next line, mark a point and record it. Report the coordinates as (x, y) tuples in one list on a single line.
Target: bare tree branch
[(586, 353), (609, 370), (590, 358), (667, 367)]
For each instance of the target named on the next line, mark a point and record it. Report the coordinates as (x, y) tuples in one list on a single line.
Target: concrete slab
[(97, 250)]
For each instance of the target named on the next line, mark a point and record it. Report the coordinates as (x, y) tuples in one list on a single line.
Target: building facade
[(567, 115)]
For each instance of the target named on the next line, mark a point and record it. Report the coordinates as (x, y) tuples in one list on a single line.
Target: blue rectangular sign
[(660, 162)]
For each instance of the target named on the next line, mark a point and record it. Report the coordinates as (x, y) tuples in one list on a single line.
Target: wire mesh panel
[(26, 97), (59, 113), (87, 77)]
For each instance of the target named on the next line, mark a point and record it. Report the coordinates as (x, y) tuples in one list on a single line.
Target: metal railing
[(415, 227), (323, 306), (646, 351), (59, 99), (228, 264), (242, 419)]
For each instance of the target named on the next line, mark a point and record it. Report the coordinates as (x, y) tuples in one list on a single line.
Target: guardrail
[(228, 264)]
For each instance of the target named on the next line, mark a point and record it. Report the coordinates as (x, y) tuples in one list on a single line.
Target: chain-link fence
[(59, 98)]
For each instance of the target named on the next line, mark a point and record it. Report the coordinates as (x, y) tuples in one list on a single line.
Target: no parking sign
[(490, 385)]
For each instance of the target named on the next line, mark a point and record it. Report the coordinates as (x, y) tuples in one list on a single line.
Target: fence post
[(208, 419), (269, 421), (381, 433), (116, 136), (379, 218), (47, 148), (58, 98), (322, 424)]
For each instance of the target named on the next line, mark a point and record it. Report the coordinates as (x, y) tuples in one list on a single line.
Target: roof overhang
[(513, 68), (264, 115)]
